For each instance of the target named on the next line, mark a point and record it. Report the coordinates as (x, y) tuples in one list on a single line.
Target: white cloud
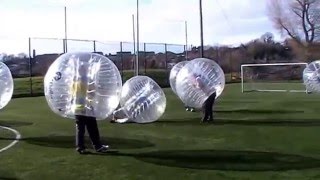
[(225, 21)]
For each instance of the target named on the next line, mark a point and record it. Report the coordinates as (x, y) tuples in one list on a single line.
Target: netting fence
[(155, 60)]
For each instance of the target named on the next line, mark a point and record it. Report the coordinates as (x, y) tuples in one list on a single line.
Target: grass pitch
[(256, 136)]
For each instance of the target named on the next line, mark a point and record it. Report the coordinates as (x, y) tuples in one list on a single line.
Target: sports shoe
[(103, 149), (82, 151)]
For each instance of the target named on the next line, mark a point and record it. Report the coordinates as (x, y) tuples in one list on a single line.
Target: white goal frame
[(270, 64)]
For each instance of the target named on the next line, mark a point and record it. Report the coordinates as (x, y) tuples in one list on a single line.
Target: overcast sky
[(225, 21)]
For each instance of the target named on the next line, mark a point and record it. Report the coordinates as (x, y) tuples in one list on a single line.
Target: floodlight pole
[(201, 29)]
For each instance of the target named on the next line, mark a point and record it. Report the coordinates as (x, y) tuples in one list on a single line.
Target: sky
[(226, 22)]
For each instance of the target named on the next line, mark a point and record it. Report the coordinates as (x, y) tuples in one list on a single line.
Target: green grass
[(288, 86), (6, 137), (256, 136)]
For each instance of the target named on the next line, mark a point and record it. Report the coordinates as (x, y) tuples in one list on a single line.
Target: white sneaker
[(104, 148), (123, 120)]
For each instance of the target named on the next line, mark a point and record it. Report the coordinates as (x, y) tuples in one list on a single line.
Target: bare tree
[(298, 19)]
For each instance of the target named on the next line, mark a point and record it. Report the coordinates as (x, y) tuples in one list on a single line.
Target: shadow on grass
[(270, 122), (261, 122), (14, 123), (69, 142), (225, 160), (8, 178), (258, 111), (5, 175), (26, 94)]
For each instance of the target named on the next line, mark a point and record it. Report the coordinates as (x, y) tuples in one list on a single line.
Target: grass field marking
[(18, 137)]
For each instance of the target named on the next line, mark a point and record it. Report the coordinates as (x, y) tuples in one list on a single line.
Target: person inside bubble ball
[(199, 82), (80, 101)]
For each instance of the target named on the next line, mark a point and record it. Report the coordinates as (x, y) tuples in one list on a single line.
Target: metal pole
[(242, 86), (31, 72), (134, 44), (145, 57), (137, 57), (201, 29), (166, 51), (121, 59), (65, 28), (186, 31), (30, 67), (94, 46)]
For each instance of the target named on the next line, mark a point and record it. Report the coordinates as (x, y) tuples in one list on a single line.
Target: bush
[(160, 76), (22, 86)]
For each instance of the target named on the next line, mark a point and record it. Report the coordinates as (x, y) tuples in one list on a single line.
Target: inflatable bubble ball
[(142, 99), (82, 83), (199, 79), (6, 88)]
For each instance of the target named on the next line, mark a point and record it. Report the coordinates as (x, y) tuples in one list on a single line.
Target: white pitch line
[(18, 137)]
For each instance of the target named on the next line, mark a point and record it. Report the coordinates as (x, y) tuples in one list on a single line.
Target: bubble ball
[(142, 99), (173, 74), (197, 80), (82, 83), (311, 77), (6, 81)]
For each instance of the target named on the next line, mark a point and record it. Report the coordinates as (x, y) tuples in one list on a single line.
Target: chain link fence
[(155, 60)]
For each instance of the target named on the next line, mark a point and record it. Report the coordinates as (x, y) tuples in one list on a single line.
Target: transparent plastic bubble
[(142, 99), (6, 81), (311, 76), (173, 74), (197, 80), (85, 84)]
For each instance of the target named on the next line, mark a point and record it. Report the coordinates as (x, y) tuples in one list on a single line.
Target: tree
[(22, 55), (267, 38), (299, 19)]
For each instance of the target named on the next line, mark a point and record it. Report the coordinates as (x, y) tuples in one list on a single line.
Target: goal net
[(277, 77)]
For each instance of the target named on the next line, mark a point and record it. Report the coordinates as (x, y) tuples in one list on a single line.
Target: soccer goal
[(276, 77)]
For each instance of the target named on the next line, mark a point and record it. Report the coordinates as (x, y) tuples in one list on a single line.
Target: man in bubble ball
[(199, 82), (80, 106)]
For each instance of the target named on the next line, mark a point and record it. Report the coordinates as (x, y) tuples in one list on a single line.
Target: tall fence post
[(94, 46), (144, 58), (64, 45), (121, 59), (186, 53), (231, 65), (166, 62), (166, 53), (30, 66)]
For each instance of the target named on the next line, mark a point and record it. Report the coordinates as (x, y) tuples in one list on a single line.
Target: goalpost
[(273, 77)]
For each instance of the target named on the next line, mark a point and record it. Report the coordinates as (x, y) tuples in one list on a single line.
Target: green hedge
[(22, 86), (160, 76)]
